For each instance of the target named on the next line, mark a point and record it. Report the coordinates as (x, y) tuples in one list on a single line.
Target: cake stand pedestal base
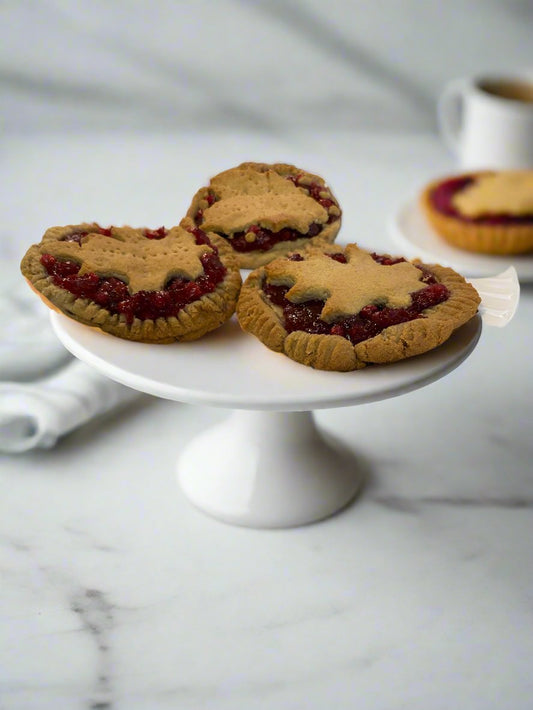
[(267, 465), (266, 469)]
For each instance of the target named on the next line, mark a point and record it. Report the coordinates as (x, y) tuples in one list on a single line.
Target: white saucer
[(411, 231)]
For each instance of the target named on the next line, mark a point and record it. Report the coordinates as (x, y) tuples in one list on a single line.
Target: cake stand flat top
[(230, 368)]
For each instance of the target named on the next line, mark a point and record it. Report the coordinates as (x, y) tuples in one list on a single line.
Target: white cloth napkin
[(44, 392)]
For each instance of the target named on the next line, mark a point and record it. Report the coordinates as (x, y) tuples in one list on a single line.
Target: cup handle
[(450, 113)]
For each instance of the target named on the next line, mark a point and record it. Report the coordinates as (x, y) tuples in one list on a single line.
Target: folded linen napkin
[(37, 415), (44, 392)]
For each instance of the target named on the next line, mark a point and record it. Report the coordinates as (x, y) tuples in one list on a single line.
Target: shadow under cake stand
[(267, 464)]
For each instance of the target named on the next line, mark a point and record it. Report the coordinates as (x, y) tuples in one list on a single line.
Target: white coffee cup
[(488, 122)]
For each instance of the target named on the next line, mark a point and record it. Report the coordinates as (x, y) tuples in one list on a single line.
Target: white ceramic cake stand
[(267, 464)]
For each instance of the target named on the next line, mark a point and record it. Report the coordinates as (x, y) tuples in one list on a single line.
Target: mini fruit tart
[(150, 285), (343, 309), (489, 212), (266, 210)]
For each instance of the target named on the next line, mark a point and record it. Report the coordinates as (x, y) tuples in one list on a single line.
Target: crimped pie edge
[(258, 317), (192, 322)]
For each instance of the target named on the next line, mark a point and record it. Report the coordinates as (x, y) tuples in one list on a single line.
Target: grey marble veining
[(96, 616), (410, 505)]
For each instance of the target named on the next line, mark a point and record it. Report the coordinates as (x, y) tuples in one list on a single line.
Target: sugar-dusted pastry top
[(247, 197), (347, 287), (144, 264), (503, 192)]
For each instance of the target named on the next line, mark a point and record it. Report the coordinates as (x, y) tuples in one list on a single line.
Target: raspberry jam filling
[(158, 233), (112, 293), (370, 321), (258, 238), (77, 236), (442, 199)]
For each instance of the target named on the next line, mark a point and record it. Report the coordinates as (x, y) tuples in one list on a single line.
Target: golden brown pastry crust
[(481, 238), (248, 179), (258, 316), (194, 320)]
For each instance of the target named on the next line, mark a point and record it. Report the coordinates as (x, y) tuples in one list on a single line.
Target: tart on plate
[(150, 285), (266, 210), (489, 212), (344, 308)]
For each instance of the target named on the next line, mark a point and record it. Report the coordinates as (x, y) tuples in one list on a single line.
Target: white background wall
[(273, 65)]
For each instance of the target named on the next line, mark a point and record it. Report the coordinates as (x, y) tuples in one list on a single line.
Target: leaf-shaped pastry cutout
[(144, 264), (346, 288), (503, 192), (272, 211)]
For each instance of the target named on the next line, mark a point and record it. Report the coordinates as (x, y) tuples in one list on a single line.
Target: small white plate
[(411, 231)]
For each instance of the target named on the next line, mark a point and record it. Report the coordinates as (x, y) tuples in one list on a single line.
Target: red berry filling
[(264, 239), (77, 236), (315, 190), (112, 294), (442, 199), (257, 238), (158, 233), (370, 321)]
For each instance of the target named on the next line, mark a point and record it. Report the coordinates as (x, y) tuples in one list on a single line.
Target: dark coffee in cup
[(512, 89)]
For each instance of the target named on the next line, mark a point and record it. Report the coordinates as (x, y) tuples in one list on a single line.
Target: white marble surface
[(117, 595)]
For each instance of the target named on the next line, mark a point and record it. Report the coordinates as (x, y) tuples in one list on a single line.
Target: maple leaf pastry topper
[(143, 264), (347, 287)]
